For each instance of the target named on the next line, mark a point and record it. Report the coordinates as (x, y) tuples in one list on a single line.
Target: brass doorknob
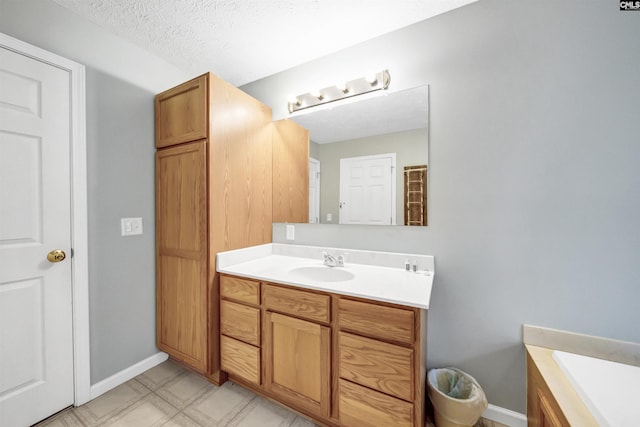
[(56, 255)]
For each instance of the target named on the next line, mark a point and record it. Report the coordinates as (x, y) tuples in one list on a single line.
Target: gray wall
[(121, 83), (121, 184), (534, 177), (410, 148)]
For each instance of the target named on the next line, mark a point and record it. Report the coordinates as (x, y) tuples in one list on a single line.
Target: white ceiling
[(245, 40)]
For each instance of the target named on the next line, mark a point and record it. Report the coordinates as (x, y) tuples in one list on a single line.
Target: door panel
[(367, 190), (181, 241), (36, 355)]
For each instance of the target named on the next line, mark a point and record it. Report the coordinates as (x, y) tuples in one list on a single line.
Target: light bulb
[(372, 78)]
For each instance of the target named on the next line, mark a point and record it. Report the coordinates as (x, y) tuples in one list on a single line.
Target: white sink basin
[(322, 273)]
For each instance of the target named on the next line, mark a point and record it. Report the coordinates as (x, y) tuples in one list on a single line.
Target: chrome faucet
[(332, 261)]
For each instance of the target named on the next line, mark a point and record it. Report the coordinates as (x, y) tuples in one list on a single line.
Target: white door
[(367, 193), (314, 191), (36, 342)]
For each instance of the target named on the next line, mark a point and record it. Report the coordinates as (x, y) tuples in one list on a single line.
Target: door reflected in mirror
[(369, 160)]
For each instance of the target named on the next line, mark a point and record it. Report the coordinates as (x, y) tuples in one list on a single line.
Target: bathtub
[(610, 390)]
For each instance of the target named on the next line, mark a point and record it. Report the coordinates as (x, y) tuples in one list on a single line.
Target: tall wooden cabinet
[(213, 193)]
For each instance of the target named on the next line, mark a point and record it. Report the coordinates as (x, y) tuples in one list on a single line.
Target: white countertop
[(375, 276)]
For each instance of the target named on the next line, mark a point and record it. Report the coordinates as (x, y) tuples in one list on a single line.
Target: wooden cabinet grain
[(181, 113), (290, 172), (363, 407), (375, 364), (240, 290), (240, 322), (542, 408), (240, 359), (241, 329), (324, 355), (211, 195), (377, 321), (381, 363), (181, 253), (300, 303), (297, 361)]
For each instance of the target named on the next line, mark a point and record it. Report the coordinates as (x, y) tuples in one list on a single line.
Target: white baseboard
[(126, 374), (505, 416)]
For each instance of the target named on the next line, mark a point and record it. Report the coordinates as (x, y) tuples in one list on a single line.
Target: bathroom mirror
[(362, 149)]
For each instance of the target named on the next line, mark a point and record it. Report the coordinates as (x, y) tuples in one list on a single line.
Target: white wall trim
[(126, 374), (79, 232), (505, 416)]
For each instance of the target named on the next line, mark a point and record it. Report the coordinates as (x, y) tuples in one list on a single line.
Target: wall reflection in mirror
[(369, 160)]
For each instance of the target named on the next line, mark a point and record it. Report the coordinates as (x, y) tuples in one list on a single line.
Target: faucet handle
[(342, 258)]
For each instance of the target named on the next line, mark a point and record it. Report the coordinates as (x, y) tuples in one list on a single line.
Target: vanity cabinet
[(542, 408), (213, 193), (342, 361)]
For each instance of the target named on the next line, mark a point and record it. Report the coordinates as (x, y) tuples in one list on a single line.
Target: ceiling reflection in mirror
[(373, 157)]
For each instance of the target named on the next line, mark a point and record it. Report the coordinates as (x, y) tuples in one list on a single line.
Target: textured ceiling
[(245, 40)]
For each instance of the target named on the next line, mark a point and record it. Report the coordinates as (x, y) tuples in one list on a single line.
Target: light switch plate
[(130, 226)]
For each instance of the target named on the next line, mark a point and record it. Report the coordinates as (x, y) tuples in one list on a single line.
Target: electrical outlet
[(130, 226), (291, 232)]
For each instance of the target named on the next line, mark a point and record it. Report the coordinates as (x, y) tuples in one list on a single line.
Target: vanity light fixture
[(361, 86)]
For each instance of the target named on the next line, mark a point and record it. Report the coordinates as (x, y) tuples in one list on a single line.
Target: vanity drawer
[(243, 290), (377, 321), (363, 407), (385, 367), (240, 359), (299, 303), (240, 321)]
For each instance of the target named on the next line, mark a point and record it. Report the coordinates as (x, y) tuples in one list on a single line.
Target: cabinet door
[(297, 362), (181, 253), (547, 415), (182, 113)]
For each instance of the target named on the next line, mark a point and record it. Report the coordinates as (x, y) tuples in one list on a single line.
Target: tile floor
[(171, 396)]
